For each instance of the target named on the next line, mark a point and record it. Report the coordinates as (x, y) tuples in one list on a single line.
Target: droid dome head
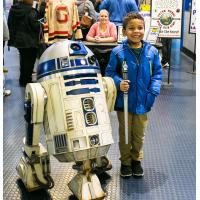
[(65, 56)]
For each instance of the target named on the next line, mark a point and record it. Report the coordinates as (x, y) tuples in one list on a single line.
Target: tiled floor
[(170, 144)]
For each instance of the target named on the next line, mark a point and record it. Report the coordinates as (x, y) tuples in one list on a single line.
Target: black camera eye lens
[(94, 140), (92, 59), (75, 47)]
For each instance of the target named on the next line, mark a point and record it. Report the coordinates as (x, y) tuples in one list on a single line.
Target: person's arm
[(41, 10), (33, 20), (92, 12), (113, 31), (106, 40), (6, 35), (133, 7), (156, 76), (92, 33), (104, 4)]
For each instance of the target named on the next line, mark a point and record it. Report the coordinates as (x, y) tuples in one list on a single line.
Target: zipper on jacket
[(137, 66)]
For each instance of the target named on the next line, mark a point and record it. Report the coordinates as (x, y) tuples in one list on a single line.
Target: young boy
[(143, 85)]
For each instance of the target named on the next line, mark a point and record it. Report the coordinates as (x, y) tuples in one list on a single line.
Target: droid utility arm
[(110, 92)]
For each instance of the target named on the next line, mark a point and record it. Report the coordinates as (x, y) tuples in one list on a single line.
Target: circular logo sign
[(166, 19)]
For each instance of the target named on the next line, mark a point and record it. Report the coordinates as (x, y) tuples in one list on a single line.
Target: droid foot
[(86, 187), (105, 165), (35, 173)]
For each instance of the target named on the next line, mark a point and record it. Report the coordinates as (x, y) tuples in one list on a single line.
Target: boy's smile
[(134, 32)]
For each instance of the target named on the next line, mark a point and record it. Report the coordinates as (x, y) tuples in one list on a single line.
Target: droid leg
[(86, 185), (100, 165), (34, 165)]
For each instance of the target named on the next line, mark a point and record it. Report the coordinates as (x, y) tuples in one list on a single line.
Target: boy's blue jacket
[(145, 76)]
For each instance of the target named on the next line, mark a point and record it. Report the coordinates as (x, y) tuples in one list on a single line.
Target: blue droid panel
[(77, 49)]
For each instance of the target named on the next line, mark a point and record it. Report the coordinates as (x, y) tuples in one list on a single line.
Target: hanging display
[(167, 14)]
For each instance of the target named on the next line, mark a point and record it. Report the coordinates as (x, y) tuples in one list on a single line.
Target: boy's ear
[(124, 31)]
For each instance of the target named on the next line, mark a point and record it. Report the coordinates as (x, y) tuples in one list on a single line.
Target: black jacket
[(24, 26)]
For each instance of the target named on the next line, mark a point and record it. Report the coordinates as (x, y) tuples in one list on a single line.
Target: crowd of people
[(144, 66), (25, 28)]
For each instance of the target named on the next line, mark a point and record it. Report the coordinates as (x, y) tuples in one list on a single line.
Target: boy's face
[(134, 31)]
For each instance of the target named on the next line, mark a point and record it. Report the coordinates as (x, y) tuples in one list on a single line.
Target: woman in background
[(103, 30)]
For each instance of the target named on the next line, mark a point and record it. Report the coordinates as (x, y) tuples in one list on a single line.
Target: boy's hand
[(124, 85)]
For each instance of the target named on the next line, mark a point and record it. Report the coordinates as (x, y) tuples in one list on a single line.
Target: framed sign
[(147, 19), (153, 34), (192, 28), (120, 36), (167, 14)]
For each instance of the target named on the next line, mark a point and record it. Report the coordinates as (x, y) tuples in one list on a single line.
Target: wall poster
[(153, 34), (167, 14), (192, 28)]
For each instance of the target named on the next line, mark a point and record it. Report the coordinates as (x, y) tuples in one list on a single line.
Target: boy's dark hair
[(131, 16)]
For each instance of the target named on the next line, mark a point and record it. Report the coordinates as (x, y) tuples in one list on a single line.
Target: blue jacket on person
[(118, 9), (145, 75)]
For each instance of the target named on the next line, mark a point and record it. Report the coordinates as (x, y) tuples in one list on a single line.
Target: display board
[(120, 36), (153, 34), (167, 14), (192, 28)]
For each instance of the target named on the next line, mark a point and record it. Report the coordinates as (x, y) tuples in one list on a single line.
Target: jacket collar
[(125, 43)]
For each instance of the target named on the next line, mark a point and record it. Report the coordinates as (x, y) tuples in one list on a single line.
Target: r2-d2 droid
[(71, 100)]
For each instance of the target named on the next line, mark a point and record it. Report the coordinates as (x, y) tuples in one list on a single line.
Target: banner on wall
[(167, 14), (192, 28)]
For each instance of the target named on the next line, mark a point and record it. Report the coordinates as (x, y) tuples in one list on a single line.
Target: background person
[(118, 9), (24, 30), (166, 50), (6, 37), (143, 85), (102, 31), (86, 6)]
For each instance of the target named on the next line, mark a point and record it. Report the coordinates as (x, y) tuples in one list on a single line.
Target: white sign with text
[(167, 14)]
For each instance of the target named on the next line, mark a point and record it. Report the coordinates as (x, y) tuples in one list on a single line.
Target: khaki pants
[(136, 127)]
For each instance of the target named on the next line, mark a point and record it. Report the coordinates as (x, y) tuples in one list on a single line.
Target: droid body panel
[(77, 124), (71, 100)]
